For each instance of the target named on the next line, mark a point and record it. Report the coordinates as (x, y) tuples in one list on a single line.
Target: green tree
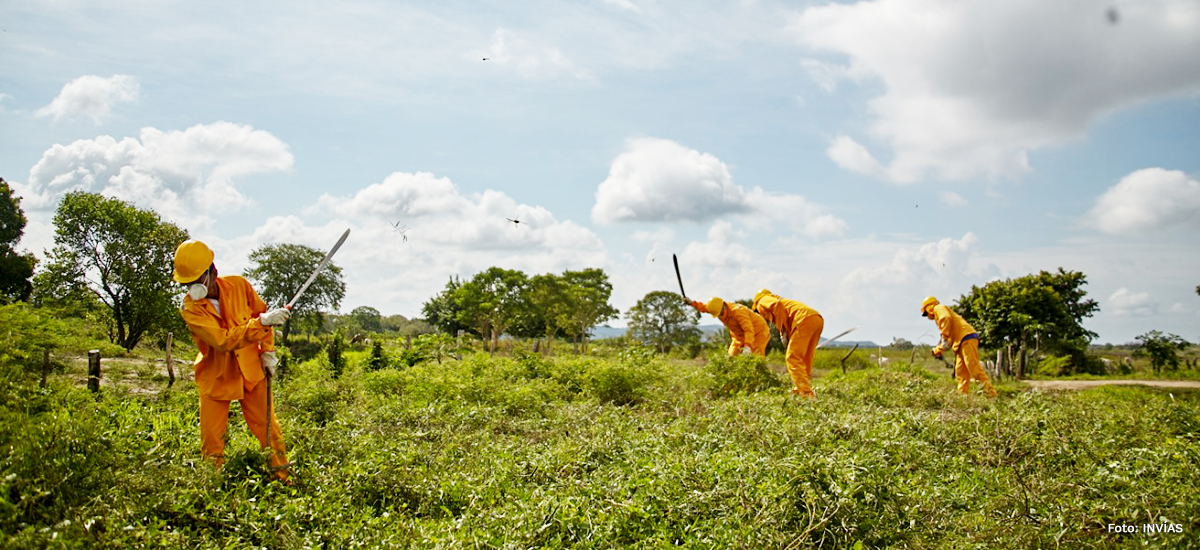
[(901, 344), (662, 320), (1046, 310), (120, 254), (548, 307), (443, 311), (16, 270), (1162, 349), (368, 318), (278, 271), (587, 295), (492, 300)]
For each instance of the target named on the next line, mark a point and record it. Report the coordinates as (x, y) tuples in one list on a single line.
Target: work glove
[(276, 316), (937, 351), (269, 360)]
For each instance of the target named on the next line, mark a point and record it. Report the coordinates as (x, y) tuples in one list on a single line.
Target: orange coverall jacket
[(747, 328), (228, 364), (786, 314), (952, 326)]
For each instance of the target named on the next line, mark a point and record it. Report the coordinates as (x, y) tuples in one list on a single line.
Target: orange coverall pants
[(214, 422), (801, 350)]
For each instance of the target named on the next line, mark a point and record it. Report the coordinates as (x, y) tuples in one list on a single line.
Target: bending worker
[(963, 340), (232, 330), (749, 330), (801, 326)]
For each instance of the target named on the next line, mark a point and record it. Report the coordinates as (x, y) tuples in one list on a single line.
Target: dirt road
[(1085, 384)]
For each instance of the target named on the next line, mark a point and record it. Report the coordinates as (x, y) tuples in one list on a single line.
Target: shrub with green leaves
[(587, 452), (379, 360), (739, 374)]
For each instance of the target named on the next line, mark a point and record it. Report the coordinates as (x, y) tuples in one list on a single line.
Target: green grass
[(628, 450)]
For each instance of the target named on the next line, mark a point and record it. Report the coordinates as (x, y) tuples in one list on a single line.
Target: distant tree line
[(499, 301)]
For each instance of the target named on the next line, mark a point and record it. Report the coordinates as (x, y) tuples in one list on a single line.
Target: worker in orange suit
[(801, 326), (231, 327), (963, 340), (749, 330)]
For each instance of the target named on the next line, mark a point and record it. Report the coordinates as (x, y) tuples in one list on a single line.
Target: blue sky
[(855, 156)]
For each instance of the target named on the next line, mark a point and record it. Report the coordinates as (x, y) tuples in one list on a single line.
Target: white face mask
[(198, 290)]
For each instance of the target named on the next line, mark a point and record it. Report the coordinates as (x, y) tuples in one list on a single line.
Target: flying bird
[(401, 229), (515, 221), (485, 59)]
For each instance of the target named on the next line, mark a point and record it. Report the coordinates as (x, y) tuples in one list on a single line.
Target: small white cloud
[(723, 248), (852, 156), (186, 176), (1151, 199), (660, 180), (92, 97), (531, 60), (941, 259), (1124, 303), (1179, 307), (793, 212), (952, 199)]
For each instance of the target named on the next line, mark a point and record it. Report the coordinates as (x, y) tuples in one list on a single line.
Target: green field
[(620, 448)]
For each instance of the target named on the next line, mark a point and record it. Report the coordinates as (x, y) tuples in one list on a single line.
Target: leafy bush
[(28, 331), (335, 351), (739, 374), (1054, 366), (379, 360), (622, 382), (530, 451)]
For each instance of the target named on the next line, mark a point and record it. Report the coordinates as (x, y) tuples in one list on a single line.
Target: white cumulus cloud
[(931, 260), (970, 86), (1124, 303), (448, 233), (186, 176), (92, 97), (1151, 199), (852, 156), (722, 248), (659, 180)]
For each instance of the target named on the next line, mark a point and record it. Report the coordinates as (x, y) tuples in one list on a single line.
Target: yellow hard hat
[(929, 301), (192, 259), (714, 306), (759, 296)]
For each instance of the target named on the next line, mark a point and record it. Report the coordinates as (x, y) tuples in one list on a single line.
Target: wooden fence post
[(999, 363), (170, 360), (1022, 364), (94, 370), (408, 342), (45, 366)]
